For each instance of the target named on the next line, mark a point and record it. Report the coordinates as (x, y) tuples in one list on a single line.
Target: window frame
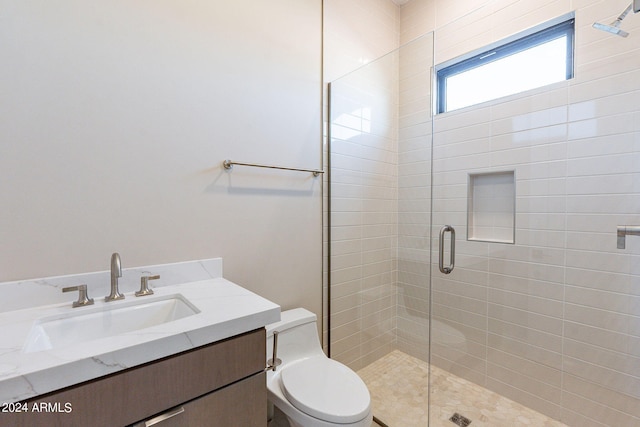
[(519, 43)]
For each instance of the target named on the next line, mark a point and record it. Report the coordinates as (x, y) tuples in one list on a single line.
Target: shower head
[(614, 27)]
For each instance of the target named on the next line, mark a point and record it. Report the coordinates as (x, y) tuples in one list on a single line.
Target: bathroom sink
[(88, 324)]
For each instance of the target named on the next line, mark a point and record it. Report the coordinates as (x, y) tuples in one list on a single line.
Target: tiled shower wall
[(414, 196), (364, 218), (552, 321), (380, 204), (355, 33)]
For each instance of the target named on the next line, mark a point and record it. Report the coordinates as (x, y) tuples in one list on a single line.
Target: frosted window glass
[(519, 64), (529, 69)]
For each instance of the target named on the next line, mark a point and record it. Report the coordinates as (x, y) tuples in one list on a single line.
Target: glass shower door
[(539, 321), (499, 181), (380, 212)]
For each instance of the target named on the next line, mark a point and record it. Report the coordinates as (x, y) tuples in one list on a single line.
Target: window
[(534, 60)]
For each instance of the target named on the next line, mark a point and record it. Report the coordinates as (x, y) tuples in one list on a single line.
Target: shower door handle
[(452, 253)]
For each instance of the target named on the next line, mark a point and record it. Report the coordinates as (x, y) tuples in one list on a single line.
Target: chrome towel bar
[(228, 164)]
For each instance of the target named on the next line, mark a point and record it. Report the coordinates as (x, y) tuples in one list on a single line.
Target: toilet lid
[(326, 389)]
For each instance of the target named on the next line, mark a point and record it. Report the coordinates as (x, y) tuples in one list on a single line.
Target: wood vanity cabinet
[(221, 384)]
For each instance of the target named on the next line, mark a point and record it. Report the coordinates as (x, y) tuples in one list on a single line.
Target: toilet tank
[(297, 336)]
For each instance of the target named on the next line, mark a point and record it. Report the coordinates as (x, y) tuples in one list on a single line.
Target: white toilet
[(308, 387)]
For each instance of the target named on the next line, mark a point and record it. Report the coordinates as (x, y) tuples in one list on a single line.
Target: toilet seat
[(325, 389)]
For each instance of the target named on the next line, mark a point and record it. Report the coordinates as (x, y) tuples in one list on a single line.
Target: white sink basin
[(111, 319)]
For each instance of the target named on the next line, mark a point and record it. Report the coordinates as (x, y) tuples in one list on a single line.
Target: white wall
[(357, 32), (116, 117)]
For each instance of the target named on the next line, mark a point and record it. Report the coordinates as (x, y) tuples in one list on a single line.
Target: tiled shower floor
[(398, 386)]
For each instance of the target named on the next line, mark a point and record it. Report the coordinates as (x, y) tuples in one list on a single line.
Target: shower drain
[(460, 420)]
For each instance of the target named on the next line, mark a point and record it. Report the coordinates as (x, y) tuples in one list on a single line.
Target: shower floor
[(398, 386)]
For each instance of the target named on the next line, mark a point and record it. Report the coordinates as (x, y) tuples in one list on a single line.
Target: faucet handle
[(144, 285), (83, 298)]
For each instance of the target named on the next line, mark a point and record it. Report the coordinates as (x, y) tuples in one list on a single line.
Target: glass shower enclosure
[(380, 228), (474, 268)]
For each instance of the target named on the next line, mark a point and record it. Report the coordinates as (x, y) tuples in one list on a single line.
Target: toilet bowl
[(308, 387)]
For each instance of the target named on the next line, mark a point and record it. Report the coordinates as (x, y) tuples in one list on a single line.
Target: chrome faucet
[(83, 298), (116, 271)]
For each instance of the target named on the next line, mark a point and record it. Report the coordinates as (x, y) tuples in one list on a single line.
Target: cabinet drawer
[(239, 404), (138, 393)]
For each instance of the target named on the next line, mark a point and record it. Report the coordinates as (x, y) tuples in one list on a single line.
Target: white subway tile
[(612, 340), (525, 302), (601, 126), (467, 304), (525, 350), (524, 334), (608, 378), (541, 372), (528, 319), (597, 318), (524, 382), (624, 363), (589, 393), (599, 299)]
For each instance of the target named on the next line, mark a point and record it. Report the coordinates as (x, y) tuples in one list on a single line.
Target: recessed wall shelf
[(491, 206)]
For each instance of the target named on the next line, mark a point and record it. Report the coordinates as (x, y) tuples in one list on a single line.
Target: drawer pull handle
[(163, 417)]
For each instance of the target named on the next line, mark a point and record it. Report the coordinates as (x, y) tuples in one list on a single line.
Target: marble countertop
[(225, 310)]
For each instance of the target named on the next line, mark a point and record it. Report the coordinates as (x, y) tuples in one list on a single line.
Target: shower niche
[(491, 203)]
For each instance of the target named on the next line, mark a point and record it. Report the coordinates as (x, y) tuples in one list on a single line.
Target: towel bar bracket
[(626, 230)]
